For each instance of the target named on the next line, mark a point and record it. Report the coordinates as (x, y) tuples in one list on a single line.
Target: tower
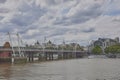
[(117, 39)]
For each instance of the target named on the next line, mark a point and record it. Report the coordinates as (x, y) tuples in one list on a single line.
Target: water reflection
[(80, 69), (5, 71)]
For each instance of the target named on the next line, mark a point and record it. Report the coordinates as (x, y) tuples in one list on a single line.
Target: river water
[(76, 69)]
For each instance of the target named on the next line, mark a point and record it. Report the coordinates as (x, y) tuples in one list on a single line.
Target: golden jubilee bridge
[(33, 54)]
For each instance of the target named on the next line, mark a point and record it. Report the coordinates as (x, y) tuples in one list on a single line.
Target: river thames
[(76, 69)]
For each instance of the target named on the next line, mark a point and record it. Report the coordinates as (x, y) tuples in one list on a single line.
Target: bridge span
[(42, 54)]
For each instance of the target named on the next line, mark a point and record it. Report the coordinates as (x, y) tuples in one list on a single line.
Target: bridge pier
[(64, 55), (46, 56), (39, 57), (30, 57), (59, 55), (50, 56)]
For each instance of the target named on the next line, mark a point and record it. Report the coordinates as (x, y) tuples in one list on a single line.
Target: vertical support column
[(52, 57), (63, 55), (76, 55), (46, 56), (39, 57), (29, 56), (32, 57), (70, 55), (49, 56), (59, 55), (66, 55)]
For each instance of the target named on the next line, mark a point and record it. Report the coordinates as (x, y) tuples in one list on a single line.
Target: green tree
[(97, 50), (113, 49)]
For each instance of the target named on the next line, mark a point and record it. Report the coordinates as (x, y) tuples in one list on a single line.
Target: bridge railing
[(39, 50)]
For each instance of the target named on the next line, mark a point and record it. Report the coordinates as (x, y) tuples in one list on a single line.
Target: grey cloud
[(59, 21), (53, 24), (80, 16), (56, 2), (88, 30), (3, 1), (4, 10), (50, 2), (30, 36), (116, 20), (93, 11), (4, 28), (29, 14), (42, 31), (58, 32), (24, 29), (46, 31), (62, 31), (68, 0), (1, 17)]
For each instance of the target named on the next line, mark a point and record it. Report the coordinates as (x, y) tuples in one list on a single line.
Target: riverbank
[(97, 56)]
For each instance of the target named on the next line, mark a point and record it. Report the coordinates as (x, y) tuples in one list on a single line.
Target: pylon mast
[(19, 44), (13, 54)]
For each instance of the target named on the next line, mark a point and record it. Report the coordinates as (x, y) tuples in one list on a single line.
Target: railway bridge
[(33, 54)]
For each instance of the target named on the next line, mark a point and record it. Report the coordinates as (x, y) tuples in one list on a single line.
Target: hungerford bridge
[(44, 54), (30, 54)]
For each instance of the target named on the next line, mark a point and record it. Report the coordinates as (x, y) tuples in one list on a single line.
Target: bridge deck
[(38, 50)]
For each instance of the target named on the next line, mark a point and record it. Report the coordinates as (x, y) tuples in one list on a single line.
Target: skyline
[(71, 20)]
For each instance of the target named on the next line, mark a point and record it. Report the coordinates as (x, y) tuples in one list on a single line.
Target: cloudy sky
[(71, 20)]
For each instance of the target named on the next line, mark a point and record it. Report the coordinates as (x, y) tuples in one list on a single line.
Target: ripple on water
[(80, 69), (2, 78)]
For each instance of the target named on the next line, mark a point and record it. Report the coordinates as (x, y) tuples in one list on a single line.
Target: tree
[(113, 49), (97, 50)]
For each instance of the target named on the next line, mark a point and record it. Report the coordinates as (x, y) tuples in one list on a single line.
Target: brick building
[(5, 54)]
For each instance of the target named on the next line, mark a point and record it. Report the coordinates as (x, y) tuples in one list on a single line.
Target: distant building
[(46, 45), (5, 54), (50, 45), (103, 43), (70, 46), (6, 45), (37, 45)]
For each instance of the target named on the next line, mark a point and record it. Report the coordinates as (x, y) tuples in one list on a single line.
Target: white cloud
[(72, 20)]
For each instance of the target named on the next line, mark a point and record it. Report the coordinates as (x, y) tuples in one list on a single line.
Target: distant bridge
[(46, 53)]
